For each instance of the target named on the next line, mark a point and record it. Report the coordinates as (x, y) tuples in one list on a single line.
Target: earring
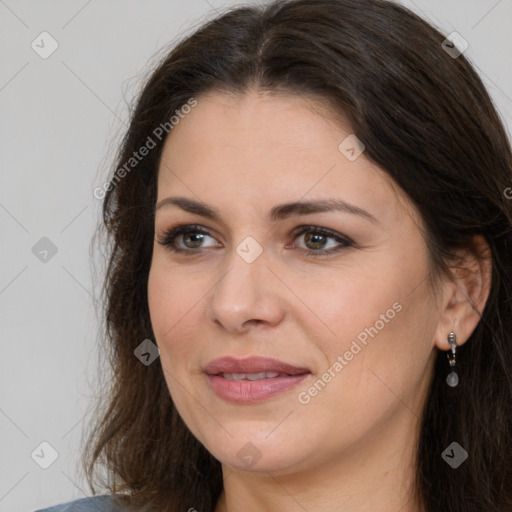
[(453, 379)]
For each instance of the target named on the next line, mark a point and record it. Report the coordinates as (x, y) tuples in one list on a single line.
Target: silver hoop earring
[(453, 379)]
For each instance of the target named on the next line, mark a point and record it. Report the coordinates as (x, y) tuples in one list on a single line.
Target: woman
[(309, 290)]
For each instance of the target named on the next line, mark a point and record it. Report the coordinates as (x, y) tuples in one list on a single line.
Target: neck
[(370, 476)]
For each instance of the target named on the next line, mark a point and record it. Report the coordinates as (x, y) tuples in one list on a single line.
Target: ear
[(465, 296)]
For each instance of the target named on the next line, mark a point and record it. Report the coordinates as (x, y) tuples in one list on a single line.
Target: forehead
[(257, 148), (230, 120)]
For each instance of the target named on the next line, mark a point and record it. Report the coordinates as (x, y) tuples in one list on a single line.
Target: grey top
[(93, 504)]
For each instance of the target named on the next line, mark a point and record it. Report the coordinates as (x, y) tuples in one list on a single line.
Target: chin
[(258, 452), (259, 461)]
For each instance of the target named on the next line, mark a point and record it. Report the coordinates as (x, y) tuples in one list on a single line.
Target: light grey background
[(61, 117)]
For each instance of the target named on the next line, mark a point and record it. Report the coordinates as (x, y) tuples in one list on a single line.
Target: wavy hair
[(427, 120)]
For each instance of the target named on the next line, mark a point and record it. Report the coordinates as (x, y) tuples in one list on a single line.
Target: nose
[(247, 294)]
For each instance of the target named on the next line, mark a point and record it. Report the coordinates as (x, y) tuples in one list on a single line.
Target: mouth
[(252, 366), (253, 376), (254, 379)]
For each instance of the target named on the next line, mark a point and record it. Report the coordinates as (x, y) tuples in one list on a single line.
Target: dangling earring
[(453, 379)]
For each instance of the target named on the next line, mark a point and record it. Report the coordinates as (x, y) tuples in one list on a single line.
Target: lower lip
[(252, 391)]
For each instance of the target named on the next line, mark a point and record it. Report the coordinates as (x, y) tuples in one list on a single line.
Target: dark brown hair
[(427, 120)]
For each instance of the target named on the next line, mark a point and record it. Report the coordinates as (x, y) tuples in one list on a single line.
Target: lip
[(252, 391), (252, 365)]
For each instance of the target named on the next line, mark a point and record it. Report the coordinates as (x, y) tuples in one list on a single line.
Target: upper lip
[(252, 365)]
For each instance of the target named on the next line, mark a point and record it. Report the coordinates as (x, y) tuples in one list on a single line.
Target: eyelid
[(167, 238), (343, 241)]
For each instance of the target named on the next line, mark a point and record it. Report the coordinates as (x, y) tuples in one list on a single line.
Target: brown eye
[(192, 237), (316, 241), (193, 240)]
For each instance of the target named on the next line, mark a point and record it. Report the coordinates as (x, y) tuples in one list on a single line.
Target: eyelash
[(170, 235)]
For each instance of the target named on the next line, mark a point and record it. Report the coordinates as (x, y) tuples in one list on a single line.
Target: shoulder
[(93, 504)]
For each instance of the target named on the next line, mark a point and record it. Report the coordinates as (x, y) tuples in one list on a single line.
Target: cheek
[(172, 294), (377, 341), (377, 363), (170, 304), (355, 306)]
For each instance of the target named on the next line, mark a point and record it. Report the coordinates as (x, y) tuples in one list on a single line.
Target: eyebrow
[(278, 212)]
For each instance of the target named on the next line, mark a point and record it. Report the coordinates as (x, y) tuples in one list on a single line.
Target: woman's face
[(357, 323)]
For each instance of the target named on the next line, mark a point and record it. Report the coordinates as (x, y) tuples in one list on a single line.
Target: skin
[(354, 442)]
